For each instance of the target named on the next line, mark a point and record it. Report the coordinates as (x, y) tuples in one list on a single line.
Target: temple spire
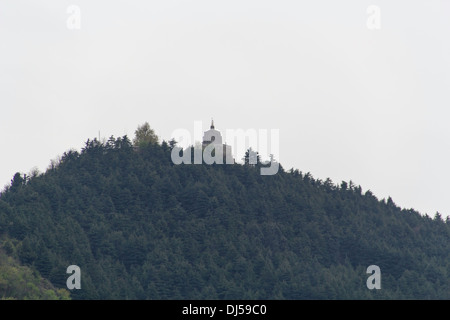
[(212, 123)]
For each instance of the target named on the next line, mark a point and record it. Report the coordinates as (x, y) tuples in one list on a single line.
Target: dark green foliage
[(140, 227)]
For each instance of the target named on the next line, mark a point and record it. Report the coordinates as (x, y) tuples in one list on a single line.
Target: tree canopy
[(144, 135)]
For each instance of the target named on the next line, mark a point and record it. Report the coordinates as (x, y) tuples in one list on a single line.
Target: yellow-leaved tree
[(144, 135)]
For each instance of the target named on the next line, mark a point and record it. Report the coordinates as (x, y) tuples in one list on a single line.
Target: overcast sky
[(351, 101)]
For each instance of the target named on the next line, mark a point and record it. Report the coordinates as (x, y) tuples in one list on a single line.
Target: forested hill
[(140, 227)]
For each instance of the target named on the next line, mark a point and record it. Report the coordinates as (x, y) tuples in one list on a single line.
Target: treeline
[(140, 227)]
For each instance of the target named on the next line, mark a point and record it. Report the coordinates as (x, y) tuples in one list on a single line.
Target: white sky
[(351, 103)]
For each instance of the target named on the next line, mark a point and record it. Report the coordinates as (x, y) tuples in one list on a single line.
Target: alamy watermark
[(74, 20), (374, 281), (74, 281), (374, 18), (213, 148)]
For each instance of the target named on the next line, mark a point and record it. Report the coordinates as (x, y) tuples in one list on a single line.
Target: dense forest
[(140, 227)]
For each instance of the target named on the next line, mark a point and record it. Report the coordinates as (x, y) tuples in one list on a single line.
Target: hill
[(140, 227), (19, 282)]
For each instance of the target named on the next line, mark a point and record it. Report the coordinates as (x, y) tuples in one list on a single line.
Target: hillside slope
[(19, 282), (140, 227)]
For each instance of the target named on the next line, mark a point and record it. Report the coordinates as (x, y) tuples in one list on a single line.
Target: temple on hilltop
[(214, 137)]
